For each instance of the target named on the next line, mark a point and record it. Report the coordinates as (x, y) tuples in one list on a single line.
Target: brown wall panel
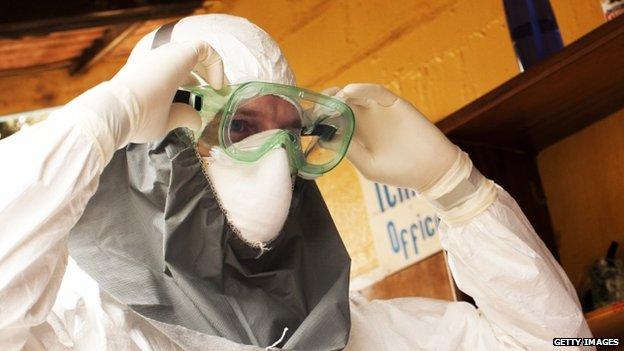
[(427, 278), (583, 178)]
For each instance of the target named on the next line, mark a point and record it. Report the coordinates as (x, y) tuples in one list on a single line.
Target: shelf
[(572, 89), (607, 321)]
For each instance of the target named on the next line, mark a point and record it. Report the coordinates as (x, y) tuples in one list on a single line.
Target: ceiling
[(76, 34)]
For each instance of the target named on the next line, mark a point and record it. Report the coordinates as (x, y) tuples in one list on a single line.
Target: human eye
[(239, 125), (241, 128)]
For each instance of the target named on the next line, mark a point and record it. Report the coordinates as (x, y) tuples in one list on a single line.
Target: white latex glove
[(153, 78), (393, 142)]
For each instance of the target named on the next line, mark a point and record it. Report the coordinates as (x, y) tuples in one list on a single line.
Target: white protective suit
[(47, 303)]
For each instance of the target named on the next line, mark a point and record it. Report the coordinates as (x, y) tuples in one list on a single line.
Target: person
[(168, 253)]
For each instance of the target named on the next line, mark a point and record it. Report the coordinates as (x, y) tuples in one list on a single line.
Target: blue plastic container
[(533, 30)]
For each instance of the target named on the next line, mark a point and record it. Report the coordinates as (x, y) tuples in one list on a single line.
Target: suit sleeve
[(49, 172)]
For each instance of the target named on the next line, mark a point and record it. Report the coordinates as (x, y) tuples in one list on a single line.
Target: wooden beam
[(557, 97), (34, 70), (102, 46), (25, 47), (50, 87), (38, 58), (98, 18)]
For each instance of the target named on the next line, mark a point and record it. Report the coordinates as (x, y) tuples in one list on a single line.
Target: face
[(264, 113), (241, 187)]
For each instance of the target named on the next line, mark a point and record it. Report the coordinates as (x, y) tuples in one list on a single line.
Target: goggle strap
[(323, 131), (186, 97)]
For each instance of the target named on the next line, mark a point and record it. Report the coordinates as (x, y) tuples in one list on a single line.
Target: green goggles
[(251, 119)]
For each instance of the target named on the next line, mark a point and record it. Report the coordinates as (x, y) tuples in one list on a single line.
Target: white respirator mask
[(255, 196)]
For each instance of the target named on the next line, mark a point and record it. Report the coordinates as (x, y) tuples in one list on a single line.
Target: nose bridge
[(281, 113), (286, 140), (272, 123)]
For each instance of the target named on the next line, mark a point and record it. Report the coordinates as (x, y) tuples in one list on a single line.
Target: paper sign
[(404, 227)]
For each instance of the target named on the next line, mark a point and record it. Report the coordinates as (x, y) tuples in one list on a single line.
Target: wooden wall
[(583, 175), (428, 278), (583, 178)]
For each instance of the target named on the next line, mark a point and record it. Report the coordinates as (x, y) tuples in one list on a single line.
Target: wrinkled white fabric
[(524, 297), (248, 52), (255, 196)]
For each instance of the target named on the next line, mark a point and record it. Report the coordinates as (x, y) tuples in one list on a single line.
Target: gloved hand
[(393, 142), (152, 79), (396, 145)]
